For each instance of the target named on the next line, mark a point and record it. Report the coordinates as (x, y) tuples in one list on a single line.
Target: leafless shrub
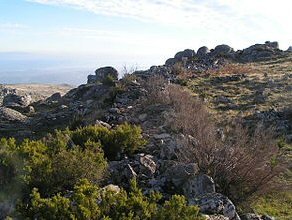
[(128, 70), (242, 164), (155, 87), (181, 72)]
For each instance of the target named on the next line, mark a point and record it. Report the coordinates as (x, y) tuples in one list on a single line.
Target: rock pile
[(210, 58)]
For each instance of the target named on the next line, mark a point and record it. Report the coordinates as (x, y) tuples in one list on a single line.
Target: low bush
[(89, 202), (109, 81), (124, 139)]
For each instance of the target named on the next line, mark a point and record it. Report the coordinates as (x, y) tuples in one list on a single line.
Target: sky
[(48, 34)]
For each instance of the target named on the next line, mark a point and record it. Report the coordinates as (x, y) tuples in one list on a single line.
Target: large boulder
[(105, 72), (289, 49), (171, 61), (14, 100), (203, 51), (187, 53), (179, 174), (216, 203), (56, 97), (223, 50), (10, 115), (273, 44), (198, 185), (259, 52)]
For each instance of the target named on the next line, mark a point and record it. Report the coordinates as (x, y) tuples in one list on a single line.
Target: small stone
[(162, 136), (142, 117), (114, 110)]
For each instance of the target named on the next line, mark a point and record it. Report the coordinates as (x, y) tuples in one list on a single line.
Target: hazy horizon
[(56, 40)]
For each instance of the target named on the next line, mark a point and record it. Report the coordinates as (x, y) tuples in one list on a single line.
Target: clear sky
[(143, 31)]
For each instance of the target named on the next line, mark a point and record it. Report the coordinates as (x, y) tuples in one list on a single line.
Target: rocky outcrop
[(216, 203), (10, 115), (203, 51), (12, 100), (187, 53), (289, 49), (91, 79), (259, 52), (223, 50), (102, 74), (156, 167)]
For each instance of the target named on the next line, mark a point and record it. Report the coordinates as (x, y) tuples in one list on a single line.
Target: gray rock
[(30, 109), (260, 52), (112, 188), (198, 185), (179, 174), (114, 110), (253, 216), (56, 97), (171, 61), (162, 136), (223, 99), (203, 51), (216, 203), (104, 72), (223, 50), (273, 44), (142, 117), (216, 217), (148, 165), (121, 172), (14, 100), (7, 114), (289, 49), (91, 79), (102, 123), (187, 53)]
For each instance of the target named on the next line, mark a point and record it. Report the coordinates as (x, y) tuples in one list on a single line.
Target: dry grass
[(232, 69)]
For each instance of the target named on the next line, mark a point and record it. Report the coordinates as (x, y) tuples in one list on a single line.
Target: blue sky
[(144, 32)]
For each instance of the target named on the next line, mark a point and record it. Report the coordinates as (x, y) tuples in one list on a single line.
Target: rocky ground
[(253, 84)]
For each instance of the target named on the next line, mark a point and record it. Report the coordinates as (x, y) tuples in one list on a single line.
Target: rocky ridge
[(107, 101)]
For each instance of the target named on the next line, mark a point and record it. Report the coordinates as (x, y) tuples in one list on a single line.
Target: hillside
[(214, 126)]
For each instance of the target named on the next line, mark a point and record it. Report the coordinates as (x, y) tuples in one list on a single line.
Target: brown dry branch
[(242, 164)]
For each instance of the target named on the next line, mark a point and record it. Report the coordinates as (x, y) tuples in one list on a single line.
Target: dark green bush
[(109, 81), (8, 161), (124, 139), (89, 202)]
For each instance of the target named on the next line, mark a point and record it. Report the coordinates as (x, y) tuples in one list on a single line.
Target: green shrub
[(124, 139), (8, 161), (90, 202), (109, 81)]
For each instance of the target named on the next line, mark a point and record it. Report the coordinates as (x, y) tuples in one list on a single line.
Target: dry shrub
[(232, 69), (155, 87), (241, 164), (181, 72), (247, 164)]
